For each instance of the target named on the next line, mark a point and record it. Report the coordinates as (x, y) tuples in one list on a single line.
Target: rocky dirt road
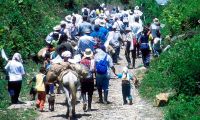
[(140, 110)]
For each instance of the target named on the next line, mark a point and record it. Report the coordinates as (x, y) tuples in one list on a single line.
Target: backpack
[(87, 64), (102, 66)]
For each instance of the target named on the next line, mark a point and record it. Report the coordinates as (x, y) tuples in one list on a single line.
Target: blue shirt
[(83, 26), (103, 30), (84, 42), (121, 74), (99, 35)]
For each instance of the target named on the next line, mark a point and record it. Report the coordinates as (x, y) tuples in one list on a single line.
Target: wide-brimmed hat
[(102, 23), (77, 59), (88, 52), (68, 18), (67, 54), (136, 7), (101, 15), (62, 22), (57, 27), (155, 20)]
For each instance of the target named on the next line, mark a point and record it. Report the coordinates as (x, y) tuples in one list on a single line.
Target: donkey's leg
[(73, 88), (68, 101)]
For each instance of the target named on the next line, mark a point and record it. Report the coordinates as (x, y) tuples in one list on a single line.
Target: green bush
[(31, 69), (184, 108), (25, 24), (178, 15), (176, 70)]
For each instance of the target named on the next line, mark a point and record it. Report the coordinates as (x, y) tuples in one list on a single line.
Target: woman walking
[(15, 70)]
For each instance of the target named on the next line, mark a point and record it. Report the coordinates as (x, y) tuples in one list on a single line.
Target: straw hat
[(77, 59), (68, 18), (57, 27), (66, 54), (101, 15), (155, 20), (88, 52), (62, 22), (102, 23), (136, 7)]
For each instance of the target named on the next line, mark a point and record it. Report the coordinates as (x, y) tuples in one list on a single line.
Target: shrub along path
[(140, 110)]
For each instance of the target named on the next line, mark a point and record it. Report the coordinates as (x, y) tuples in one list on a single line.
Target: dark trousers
[(126, 91), (145, 57), (127, 54), (14, 88), (115, 56), (137, 46)]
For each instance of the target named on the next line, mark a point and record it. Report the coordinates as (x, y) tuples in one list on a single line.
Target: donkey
[(69, 77), (70, 82)]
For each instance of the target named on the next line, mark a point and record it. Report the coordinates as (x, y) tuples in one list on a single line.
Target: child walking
[(126, 85), (40, 80)]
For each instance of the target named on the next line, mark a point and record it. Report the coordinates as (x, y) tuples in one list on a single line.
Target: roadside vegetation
[(25, 23), (23, 27), (177, 70)]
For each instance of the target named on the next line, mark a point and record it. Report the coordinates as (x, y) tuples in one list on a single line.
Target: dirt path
[(140, 110)]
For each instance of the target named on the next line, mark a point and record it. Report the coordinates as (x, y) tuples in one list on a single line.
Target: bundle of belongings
[(57, 71)]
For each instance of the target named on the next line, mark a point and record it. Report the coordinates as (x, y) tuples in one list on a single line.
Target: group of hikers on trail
[(94, 39)]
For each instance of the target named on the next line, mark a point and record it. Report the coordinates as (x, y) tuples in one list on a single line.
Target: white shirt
[(129, 37), (136, 28), (118, 24), (131, 19), (138, 12), (15, 70)]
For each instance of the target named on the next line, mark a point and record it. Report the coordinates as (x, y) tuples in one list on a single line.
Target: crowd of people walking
[(93, 38)]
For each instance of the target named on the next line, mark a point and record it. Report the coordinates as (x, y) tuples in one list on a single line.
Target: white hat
[(77, 59), (101, 15), (88, 52), (57, 27), (130, 12), (155, 20), (102, 23), (125, 70), (62, 22), (68, 18), (102, 5), (136, 7), (66, 54)]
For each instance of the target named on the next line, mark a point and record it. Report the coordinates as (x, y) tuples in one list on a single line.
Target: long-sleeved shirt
[(15, 70), (86, 41)]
